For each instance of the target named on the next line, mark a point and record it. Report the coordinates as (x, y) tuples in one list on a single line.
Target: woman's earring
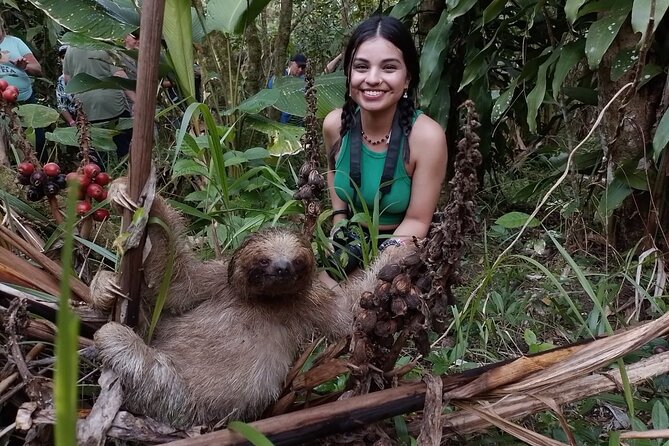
[(406, 94)]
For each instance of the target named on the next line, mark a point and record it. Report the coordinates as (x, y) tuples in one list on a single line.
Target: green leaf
[(516, 219), (659, 416), (256, 153), (648, 72), (101, 139), (86, 17), (461, 8), (330, 90), (623, 61), (571, 8), (177, 31), (432, 57), (186, 167), (661, 137), (493, 10), (641, 15), (258, 102), (585, 95), (231, 16), (284, 139), (37, 116), (474, 69), (602, 32), (536, 97), (85, 82), (404, 8), (529, 337), (613, 197), (503, 102), (83, 41), (570, 55)]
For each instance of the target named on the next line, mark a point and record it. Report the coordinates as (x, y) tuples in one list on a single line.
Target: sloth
[(229, 331)]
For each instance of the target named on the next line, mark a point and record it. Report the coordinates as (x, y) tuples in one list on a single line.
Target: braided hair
[(396, 33)]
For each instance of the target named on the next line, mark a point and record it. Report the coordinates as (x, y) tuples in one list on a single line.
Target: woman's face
[(378, 75)]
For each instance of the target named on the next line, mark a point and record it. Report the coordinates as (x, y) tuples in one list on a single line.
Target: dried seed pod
[(424, 283), (305, 170), (422, 342), (382, 290), (410, 260), (367, 300), (385, 328), (398, 306), (413, 299), (385, 341), (303, 193), (316, 179), (402, 283), (366, 321), (389, 272), (417, 323)]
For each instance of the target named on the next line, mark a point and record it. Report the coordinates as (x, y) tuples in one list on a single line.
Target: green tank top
[(393, 205)]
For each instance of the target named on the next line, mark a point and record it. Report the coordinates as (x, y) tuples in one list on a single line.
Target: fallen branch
[(531, 374), (92, 431)]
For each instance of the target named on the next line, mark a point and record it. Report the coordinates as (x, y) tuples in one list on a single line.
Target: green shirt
[(393, 205), (102, 104)]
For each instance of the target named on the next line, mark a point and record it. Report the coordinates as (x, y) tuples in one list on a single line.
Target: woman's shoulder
[(333, 119), (427, 131)]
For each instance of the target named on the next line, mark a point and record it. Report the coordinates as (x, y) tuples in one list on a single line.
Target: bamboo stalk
[(140, 152)]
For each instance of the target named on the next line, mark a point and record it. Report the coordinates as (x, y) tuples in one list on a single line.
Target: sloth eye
[(263, 262)]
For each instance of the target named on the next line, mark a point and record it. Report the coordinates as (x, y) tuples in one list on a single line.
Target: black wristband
[(340, 212)]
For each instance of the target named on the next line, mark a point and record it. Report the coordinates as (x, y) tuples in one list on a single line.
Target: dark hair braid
[(347, 118), (406, 110)]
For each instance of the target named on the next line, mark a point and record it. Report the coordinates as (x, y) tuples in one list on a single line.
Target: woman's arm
[(29, 64), (331, 127), (429, 157)]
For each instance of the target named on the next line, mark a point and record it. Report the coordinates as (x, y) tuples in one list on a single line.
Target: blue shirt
[(13, 48)]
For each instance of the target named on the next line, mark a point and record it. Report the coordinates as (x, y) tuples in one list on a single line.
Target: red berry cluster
[(9, 92), (92, 184), (46, 182)]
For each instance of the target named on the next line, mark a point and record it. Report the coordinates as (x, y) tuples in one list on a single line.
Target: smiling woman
[(379, 146)]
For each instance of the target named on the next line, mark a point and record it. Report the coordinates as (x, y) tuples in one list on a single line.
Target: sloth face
[(272, 262)]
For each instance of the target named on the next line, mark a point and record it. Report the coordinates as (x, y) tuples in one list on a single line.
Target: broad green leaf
[(474, 69), (85, 82), (661, 137), (585, 95), (122, 10), (503, 102), (659, 416), (460, 8), (536, 97), (284, 139), (516, 219), (231, 16), (432, 56), (641, 15), (613, 197), (648, 72), (177, 31), (570, 55), (529, 337), (37, 116), (493, 10), (602, 32), (87, 17), (256, 153), (571, 8), (101, 139), (624, 60), (440, 104), (258, 102), (404, 8), (81, 40), (186, 167)]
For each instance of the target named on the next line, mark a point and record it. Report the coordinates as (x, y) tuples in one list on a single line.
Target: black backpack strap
[(392, 155), (355, 144)]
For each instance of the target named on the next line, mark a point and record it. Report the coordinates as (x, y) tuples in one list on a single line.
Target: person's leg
[(123, 139)]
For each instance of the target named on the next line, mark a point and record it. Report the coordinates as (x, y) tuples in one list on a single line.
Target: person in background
[(333, 64), (296, 67), (17, 64), (101, 105), (379, 147), (65, 101)]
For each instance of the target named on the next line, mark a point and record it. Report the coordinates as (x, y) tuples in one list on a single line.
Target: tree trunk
[(282, 37), (626, 145), (430, 11), (254, 78)]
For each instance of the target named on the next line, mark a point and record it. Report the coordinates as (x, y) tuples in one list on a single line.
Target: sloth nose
[(282, 267)]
